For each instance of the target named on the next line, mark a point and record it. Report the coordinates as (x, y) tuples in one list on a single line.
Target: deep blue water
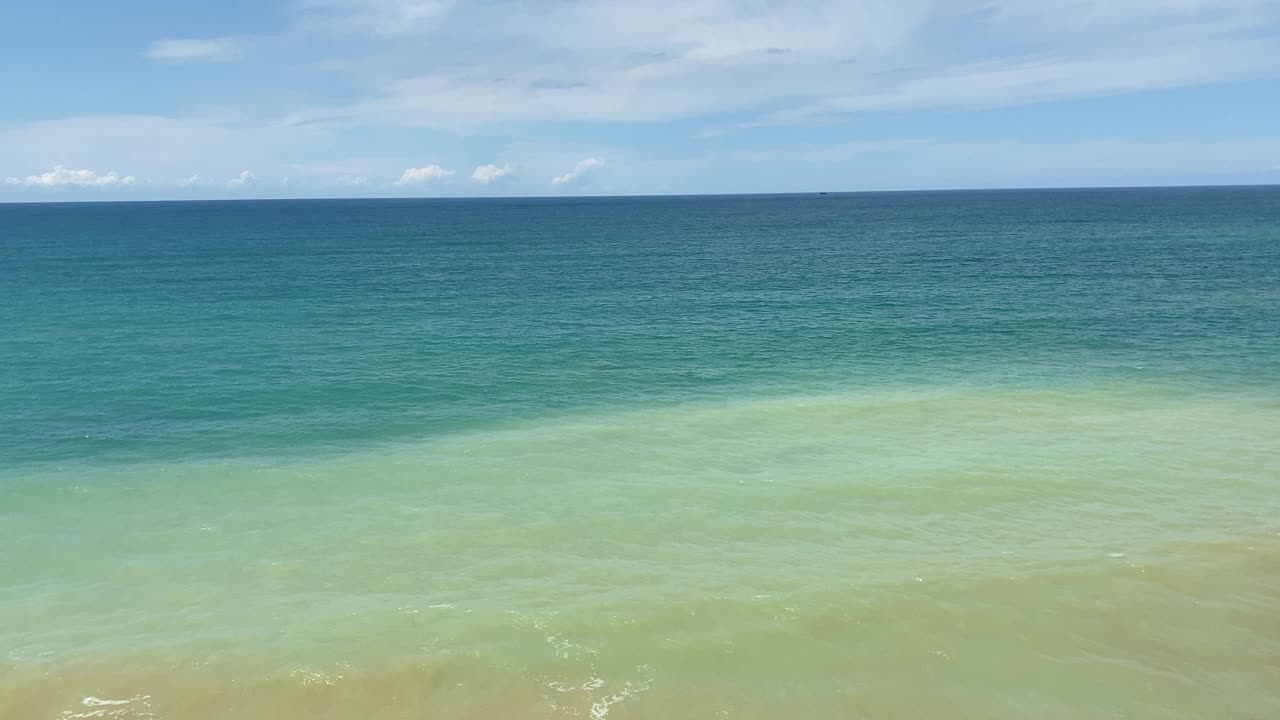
[(174, 330)]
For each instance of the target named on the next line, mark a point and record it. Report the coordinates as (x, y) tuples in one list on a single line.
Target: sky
[(172, 99)]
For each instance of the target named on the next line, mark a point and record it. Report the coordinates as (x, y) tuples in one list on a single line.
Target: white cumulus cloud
[(578, 170), (244, 178), (422, 174), (488, 173), (188, 50), (60, 176)]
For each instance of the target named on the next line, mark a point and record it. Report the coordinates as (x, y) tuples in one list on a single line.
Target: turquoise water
[(988, 454)]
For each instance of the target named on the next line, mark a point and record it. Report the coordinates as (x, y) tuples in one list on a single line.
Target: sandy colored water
[(961, 553)]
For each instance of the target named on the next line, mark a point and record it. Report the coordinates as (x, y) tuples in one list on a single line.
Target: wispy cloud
[(788, 61), (189, 181), (1024, 80), (189, 50), (352, 180), (486, 174), (413, 176), (925, 163), (60, 177), (154, 145), (578, 170)]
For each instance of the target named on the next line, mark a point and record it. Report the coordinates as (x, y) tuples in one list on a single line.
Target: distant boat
[(823, 193)]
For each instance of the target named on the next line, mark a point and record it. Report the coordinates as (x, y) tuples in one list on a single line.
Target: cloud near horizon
[(578, 171), (245, 178), (413, 176), (60, 177), (486, 174)]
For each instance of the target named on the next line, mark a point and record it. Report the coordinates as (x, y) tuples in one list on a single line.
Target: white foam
[(594, 683), (137, 707), (567, 650), (96, 702), (598, 705), (312, 678), (563, 687), (600, 708)]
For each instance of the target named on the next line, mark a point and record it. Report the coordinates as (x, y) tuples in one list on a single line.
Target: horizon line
[(1045, 188)]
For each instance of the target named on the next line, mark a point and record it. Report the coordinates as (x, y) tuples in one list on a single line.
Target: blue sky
[(143, 99)]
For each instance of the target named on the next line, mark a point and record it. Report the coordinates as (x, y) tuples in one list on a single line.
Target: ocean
[(991, 455)]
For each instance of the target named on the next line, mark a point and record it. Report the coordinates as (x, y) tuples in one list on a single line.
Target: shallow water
[(994, 455)]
